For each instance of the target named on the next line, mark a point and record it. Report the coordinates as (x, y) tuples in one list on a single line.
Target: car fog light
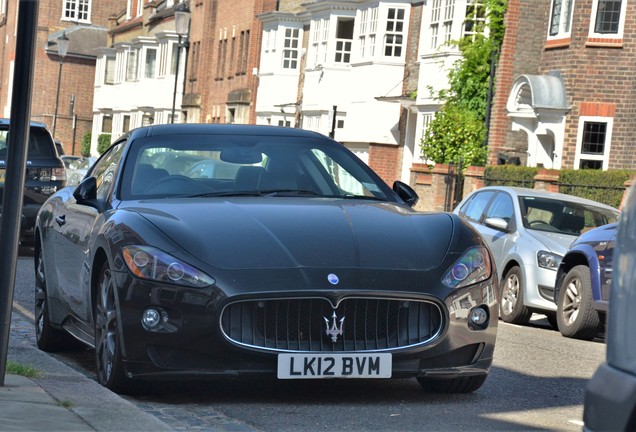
[(478, 316), (151, 319)]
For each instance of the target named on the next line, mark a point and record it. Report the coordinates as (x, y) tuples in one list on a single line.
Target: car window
[(474, 208), (40, 143), (105, 170), (501, 207), (562, 216)]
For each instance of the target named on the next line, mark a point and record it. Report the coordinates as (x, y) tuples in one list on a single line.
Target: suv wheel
[(512, 309), (576, 315)]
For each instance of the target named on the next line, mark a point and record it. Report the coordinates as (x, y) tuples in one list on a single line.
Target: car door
[(75, 224)]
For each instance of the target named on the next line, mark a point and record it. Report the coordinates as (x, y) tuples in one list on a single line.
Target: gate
[(454, 186)]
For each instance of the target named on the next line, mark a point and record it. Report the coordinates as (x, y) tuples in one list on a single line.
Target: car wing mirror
[(497, 223), (86, 192), (405, 192)]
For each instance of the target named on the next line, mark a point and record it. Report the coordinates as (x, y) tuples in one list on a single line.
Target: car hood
[(554, 242), (272, 233)]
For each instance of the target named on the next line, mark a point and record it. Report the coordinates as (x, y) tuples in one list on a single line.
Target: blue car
[(583, 283)]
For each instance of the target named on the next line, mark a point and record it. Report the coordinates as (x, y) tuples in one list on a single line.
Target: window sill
[(604, 42), (558, 43)]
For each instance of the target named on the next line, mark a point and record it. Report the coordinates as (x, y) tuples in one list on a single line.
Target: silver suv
[(45, 173), (528, 232)]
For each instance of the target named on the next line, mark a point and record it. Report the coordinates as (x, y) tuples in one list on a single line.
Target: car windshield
[(561, 216), (225, 165)]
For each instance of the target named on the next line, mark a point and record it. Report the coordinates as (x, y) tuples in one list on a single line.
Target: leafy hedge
[(510, 175), (103, 142), (86, 144), (602, 186)]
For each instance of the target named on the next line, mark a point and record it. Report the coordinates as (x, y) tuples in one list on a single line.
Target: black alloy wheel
[(47, 337), (108, 358)]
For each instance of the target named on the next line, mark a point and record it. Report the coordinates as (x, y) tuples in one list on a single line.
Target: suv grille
[(368, 324)]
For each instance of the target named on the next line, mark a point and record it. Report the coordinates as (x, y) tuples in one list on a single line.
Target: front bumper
[(191, 343)]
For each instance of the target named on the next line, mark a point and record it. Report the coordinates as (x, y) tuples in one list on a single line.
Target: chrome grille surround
[(299, 324)]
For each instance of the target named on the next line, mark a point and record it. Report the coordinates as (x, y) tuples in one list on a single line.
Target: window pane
[(151, 62), (594, 138), (591, 164), (608, 16)]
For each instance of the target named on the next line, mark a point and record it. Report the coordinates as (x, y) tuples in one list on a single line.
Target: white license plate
[(297, 366)]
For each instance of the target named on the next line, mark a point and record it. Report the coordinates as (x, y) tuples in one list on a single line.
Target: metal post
[(57, 96), (16, 166), (332, 134), (176, 79)]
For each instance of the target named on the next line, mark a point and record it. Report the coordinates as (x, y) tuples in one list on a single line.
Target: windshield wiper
[(363, 197), (290, 192)]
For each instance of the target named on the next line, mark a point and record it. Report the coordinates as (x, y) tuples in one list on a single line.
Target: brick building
[(224, 55), (84, 23), (564, 92)]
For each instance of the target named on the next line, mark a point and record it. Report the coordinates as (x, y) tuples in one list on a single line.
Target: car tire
[(511, 307), (47, 337), (576, 316), (108, 357), (453, 385)]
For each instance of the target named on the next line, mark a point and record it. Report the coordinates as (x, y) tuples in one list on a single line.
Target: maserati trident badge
[(334, 330)]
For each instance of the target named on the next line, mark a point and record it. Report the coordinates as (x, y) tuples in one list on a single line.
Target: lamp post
[(182, 27), (62, 49)]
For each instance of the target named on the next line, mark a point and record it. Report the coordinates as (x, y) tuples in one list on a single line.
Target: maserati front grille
[(312, 324)]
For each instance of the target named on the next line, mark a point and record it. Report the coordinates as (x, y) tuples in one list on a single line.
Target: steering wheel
[(176, 185), (537, 222)]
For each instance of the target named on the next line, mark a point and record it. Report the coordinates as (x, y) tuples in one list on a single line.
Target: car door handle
[(61, 220)]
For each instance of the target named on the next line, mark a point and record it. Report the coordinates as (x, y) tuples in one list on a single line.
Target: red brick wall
[(384, 160), (77, 73)]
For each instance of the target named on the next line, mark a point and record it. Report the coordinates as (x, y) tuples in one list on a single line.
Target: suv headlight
[(472, 267), (150, 263), (548, 260)]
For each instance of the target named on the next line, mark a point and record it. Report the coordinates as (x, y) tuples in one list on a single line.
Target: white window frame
[(106, 60), (435, 24), (367, 33), (401, 34), (145, 63), (132, 75), (71, 9), (609, 121), (291, 52), (621, 23), (564, 21)]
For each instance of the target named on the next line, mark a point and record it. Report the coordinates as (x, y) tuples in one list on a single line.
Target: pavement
[(61, 398)]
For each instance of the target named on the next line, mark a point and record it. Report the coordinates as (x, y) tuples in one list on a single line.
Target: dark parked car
[(304, 265), (583, 283), (610, 396), (45, 173)]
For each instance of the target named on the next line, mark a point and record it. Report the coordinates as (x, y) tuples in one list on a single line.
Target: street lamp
[(182, 27), (62, 49)]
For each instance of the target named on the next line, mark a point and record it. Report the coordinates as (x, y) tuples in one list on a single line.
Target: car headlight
[(548, 260), (150, 263), (472, 267)]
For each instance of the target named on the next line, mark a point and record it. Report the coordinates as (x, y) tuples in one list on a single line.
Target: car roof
[(527, 192), (6, 121), (223, 129)]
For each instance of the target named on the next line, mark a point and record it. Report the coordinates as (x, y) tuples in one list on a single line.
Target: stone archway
[(537, 105)]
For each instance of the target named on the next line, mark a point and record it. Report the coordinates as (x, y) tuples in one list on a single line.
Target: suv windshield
[(565, 217), (39, 144)]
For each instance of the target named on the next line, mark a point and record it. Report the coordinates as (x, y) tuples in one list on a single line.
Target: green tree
[(86, 145), (103, 142), (458, 130)]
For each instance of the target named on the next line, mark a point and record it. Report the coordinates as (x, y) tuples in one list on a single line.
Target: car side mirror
[(405, 192), (86, 192), (497, 223)]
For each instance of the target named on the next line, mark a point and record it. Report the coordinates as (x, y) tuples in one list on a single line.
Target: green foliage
[(23, 370), (603, 186), (103, 142), (457, 137), (510, 175), (466, 99), (86, 145)]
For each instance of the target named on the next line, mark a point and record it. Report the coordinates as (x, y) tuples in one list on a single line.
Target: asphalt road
[(537, 382)]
